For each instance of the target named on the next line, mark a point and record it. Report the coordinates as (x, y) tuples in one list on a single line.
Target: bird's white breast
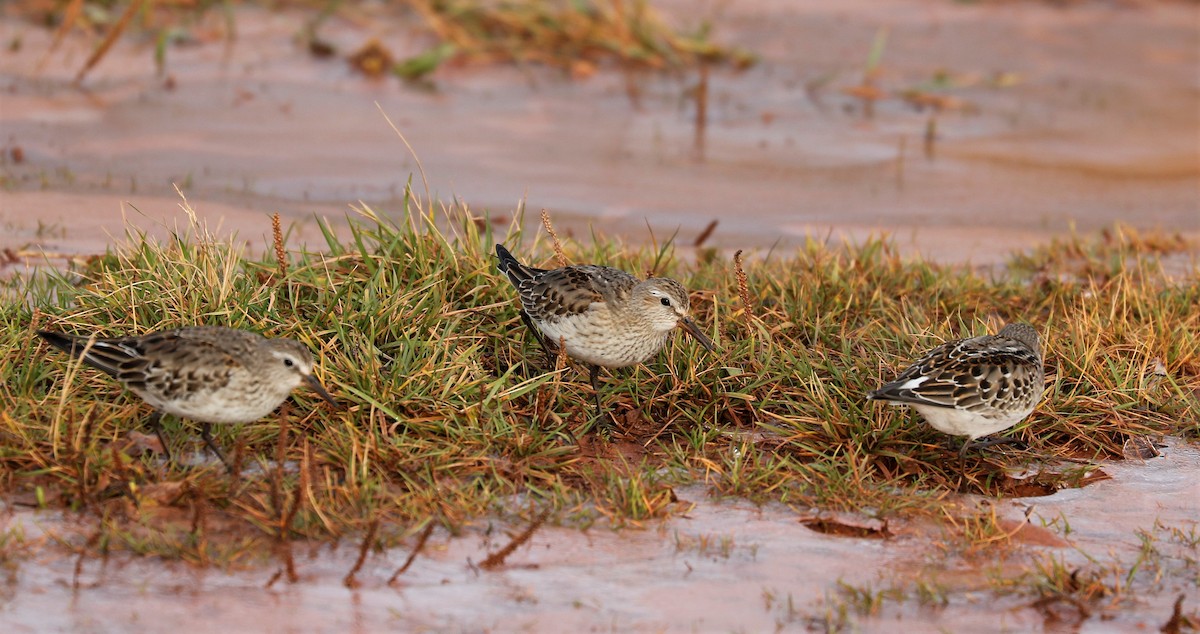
[(595, 337), (973, 424)]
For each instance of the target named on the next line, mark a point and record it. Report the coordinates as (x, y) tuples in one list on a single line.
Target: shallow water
[(721, 566), (1099, 124)]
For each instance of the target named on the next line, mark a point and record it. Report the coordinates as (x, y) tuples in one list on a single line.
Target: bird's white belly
[(225, 406), (961, 422), (608, 347)]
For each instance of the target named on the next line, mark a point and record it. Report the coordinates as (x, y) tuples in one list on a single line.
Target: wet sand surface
[(723, 566), (1071, 117)]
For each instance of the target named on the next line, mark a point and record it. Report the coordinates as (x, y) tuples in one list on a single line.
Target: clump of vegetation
[(574, 35), (577, 36), (456, 414)]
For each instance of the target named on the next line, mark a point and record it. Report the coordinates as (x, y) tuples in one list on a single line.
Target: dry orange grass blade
[(110, 39), (70, 16), (424, 537), (350, 581), (705, 234), (496, 559)]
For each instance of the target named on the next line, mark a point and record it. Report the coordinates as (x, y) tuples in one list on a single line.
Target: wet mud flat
[(994, 128), (721, 565)]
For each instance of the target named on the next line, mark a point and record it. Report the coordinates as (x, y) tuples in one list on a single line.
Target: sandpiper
[(605, 317), (974, 387), (208, 374)]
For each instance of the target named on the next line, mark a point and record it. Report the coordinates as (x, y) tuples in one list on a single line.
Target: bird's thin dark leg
[(594, 375), (962, 454), (206, 434), (155, 423), (1001, 440), (551, 354)]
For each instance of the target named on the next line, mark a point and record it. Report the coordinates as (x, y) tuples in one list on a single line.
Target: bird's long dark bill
[(320, 389), (694, 330)]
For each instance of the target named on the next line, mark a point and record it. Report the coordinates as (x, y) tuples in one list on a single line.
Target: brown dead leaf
[(372, 60), (138, 444), (866, 92), (161, 493), (922, 99)]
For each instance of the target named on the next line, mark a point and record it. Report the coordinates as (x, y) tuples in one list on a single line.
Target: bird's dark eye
[(665, 301), (289, 363)]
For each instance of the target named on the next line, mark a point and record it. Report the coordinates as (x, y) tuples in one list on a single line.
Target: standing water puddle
[(1063, 118), (724, 566)]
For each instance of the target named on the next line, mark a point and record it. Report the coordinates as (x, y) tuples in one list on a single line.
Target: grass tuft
[(454, 413)]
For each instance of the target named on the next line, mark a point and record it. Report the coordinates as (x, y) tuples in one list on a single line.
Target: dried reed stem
[(349, 581), (743, 287), (91, 542), (705, 235), (558, 250), (421, 539), (133, 9), (287, 517), (199, 517), (280, 253), (496, 559)]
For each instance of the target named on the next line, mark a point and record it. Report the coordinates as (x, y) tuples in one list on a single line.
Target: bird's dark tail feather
[(103, 355), (513, 268), (891, 394)]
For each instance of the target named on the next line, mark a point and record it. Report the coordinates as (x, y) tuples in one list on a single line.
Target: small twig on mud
[(743, 287), (496, 559), (421, 539), (930, 137), (349, 581), (1178, 621), (286, 517), (199, 515), (558, 250), (276, 488), (91, 541)]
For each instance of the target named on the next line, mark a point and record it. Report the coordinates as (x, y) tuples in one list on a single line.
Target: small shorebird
[(974, 387), (605, 317), (208, 374)]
